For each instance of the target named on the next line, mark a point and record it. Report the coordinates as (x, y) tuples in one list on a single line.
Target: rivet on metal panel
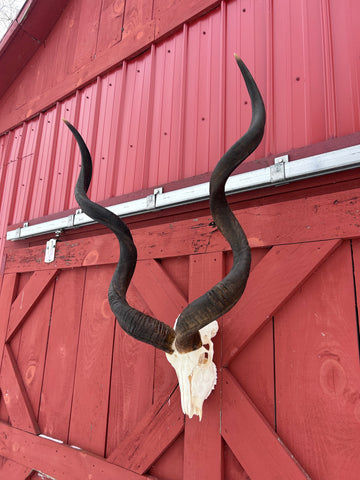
[(50, 250), (282, 159), (25, 224)]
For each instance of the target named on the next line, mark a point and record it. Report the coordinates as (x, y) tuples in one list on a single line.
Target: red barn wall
[(169, 114), (154, 90)]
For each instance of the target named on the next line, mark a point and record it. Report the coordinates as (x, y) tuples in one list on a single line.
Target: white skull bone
[(196, 372)]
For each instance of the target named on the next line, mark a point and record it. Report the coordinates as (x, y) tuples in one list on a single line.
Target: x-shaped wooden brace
[(249, 436)]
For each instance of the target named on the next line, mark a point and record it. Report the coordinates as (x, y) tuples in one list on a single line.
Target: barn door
[(80, 399)]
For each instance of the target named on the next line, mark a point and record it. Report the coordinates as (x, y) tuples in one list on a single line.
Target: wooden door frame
[(322, 222)]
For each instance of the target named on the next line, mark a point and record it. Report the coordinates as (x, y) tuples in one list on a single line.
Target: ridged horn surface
[(225, 294), (137, 324)]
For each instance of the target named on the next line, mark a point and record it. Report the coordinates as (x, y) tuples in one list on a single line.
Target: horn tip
[(237, 58)]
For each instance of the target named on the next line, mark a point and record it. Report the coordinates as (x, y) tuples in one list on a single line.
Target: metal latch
[(50, 250)]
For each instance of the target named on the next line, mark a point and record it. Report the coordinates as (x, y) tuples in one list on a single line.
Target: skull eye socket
[(203, 359)]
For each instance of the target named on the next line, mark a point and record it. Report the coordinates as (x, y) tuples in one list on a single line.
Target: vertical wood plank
[(137, 14), (27, 298), (7, 296), (8, 292), (317, 371), (202, 439), (31, 341), (277, 277), (256, 446), (87, 32), (15, 395), (356, 261), (92, 378), (166, 300), (157, 430), (111, 25), (131, 393), (253, 368), (257, 356), (58, 383)]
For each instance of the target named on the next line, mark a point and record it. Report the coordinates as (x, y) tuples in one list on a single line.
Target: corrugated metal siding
[(170, 113)]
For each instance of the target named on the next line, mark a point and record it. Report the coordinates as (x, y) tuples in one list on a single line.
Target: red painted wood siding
[(287, 397)]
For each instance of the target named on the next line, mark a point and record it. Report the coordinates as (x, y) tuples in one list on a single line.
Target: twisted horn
[(140, 326), (224, 295)]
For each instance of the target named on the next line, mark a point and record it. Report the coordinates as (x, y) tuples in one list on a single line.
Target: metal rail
[(281, 172)]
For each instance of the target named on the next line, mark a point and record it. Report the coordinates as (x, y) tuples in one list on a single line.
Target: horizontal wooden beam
[(55, 459), (322, 217)]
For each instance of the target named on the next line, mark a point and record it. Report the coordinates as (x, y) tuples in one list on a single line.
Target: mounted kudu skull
[(196, 325)]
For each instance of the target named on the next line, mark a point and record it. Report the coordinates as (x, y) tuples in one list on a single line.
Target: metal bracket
[(50, 250), (277, 171), (151, 199)]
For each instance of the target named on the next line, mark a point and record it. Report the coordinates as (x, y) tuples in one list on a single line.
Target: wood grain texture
[(204, 272), (56, 460), (322, 217), (132, 380), (281, 272), (164, 299), (152, 435), (30, 345), (170, 464), (59, 373), (17, 401), (356, 260), (93, 368), (253, 368), (256, 446), (7, 296), (317, 371), (232, 468), (111, 25), (172, 13), (27, 298), (177, 269), (15, 471)]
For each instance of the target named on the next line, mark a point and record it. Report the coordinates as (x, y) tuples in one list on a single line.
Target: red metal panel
[(9, 178), (44, 164), (62, 161), (27, 163), (170, 113)]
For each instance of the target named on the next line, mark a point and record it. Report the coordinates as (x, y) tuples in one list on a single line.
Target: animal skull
[(196, 372)]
